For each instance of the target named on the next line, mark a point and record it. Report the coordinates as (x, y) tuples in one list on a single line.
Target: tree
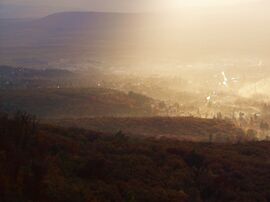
[(251, 134), (264, 126)]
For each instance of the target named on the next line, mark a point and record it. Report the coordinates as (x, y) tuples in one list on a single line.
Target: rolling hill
[(23, 78), (19, 72), (181, 128), (75, 102)]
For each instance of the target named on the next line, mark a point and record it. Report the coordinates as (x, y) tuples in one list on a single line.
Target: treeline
[(26, 78), (46, 163), (181, 128), (75, 102)]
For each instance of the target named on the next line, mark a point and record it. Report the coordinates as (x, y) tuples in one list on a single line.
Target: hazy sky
[(39, 8), (126, 5)]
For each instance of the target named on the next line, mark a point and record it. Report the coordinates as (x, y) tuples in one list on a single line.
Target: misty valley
[(112, 106), (66, 94)]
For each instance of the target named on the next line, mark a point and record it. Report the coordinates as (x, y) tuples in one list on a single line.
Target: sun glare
[(177, 4)]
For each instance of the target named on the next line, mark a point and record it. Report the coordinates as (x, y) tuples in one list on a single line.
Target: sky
[(18, 8), (125, 5)]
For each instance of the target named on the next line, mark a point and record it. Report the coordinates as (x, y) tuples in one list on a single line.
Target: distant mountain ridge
[(85, 18), (102, 24), (64, 27), (80, 35)]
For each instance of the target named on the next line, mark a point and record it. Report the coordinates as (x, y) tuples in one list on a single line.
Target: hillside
[(19, 78), (19, 72), (46, 163), (181, 128), (75, 102)]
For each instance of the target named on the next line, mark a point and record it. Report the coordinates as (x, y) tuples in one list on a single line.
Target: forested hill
[(181, 128), (47, 163), (75, 102)]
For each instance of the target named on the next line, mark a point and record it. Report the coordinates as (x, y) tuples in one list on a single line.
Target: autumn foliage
[(46, 163)]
